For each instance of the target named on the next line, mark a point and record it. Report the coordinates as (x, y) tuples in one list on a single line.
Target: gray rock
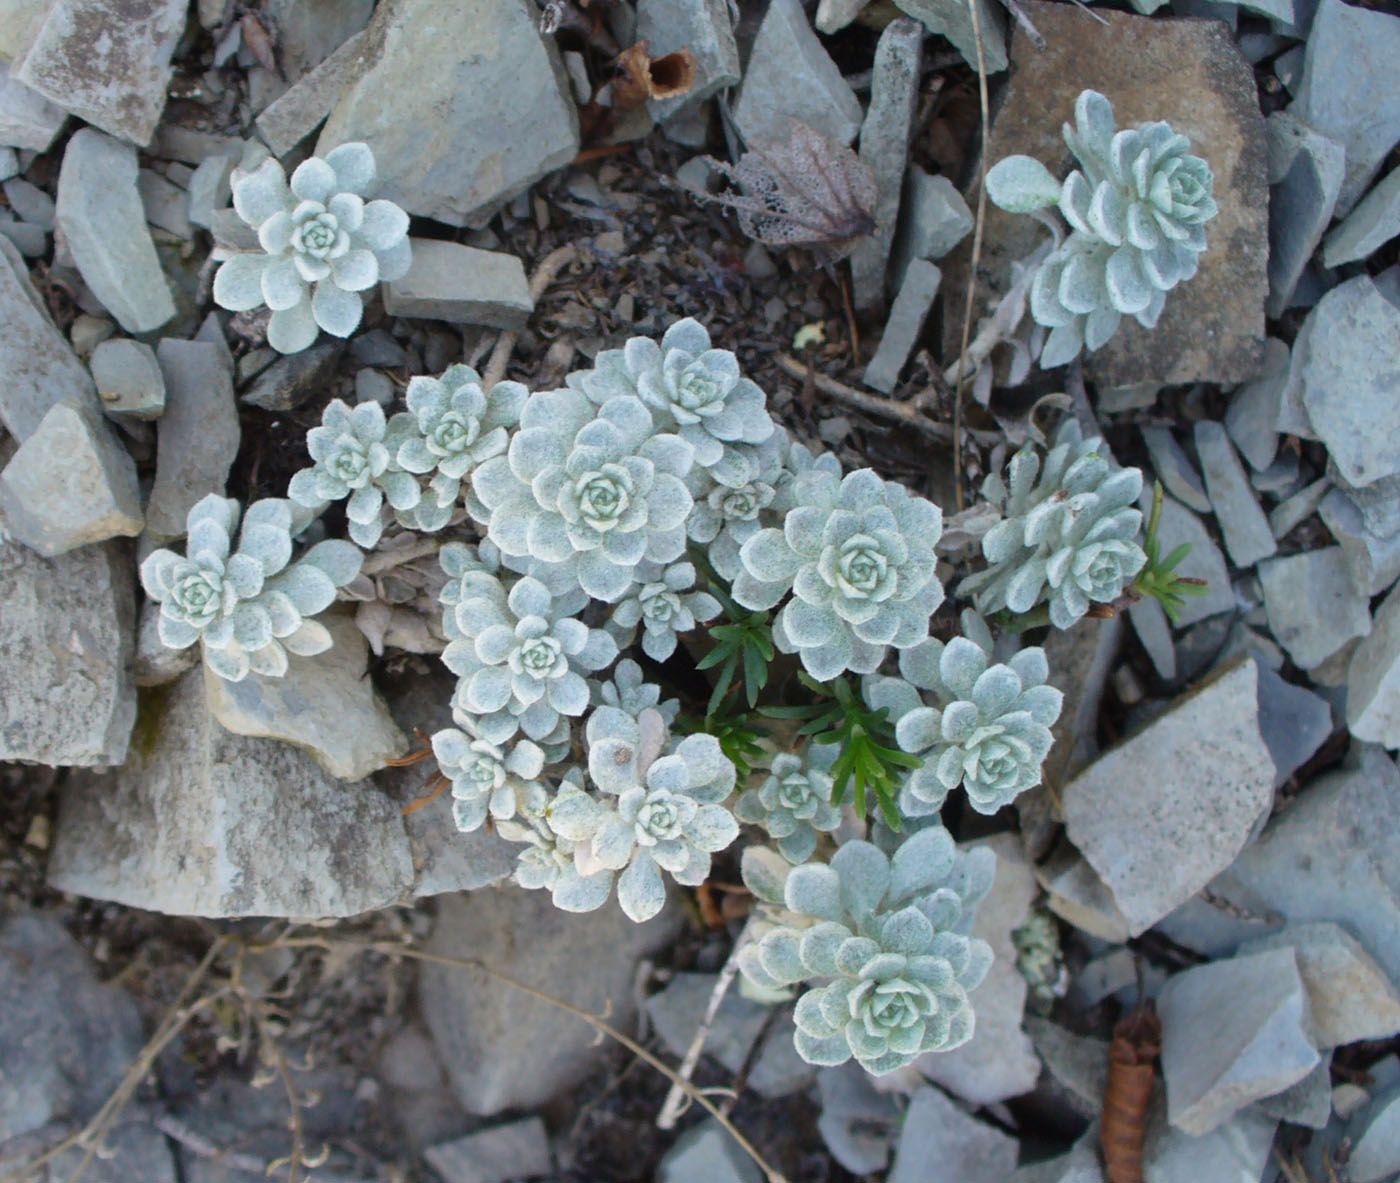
[(295, 377), (69, 484), (1372, 561), (1149, 621), (791, 76), (701, 26), (191, 146), (1173, 467), (153, 663), (1242, 523), (1346, 92), (1375, 1132), (374, 386), (40, 366), (1113, 400), (295, 114), (106, 61), (1349, 378), (104, 224), (29, 203), (1076, 894), (1349, 994), (325, 705), (30, 241), (210, 188), (1178, 526), (1164, 812), (953, 20), (1232, 1032), (857, 1121), (1306, 170), (165, 203), (9, 163), (676, 1013), (707, 1154), (1237, 1151), (884, 149), (1292, 415), (1078, 1063), (516, 1150), (487, 1032), (67, 696), (1307, 1103), (65, 1038), (463, 285), (1293, 721), (1254, 408), (1288, 513), (933, 219), (1379, 503), (1368, 227), (1314, 607), (27, 119), (1373, 679), (903, 325), (500, 114), (201, 822), (133, 1149), (936, 1130), (308, 33), (128, 378), (198, 435)]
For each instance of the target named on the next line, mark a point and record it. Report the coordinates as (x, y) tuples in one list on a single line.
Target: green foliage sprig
[(1158, 578)]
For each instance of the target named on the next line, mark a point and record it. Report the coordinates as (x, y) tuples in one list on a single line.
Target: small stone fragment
[(1293, 721), (294, 115), (1167, 810), (936, 1130), (1113, 400), (210, 189), (1076, 894), (1375, 1135), (1368, 227), (462, 285), (791, 76), (953, 20), (29, 203), (1177, 527), (705, 29), (933, 219), (1309, 1101), (105, 61), (1260, 1001), (1305, 175), (1287, 514), (294, 377), (707, 1154), (1314, 606), (67, 696), (1174, 468), (1237, 1151), (904, 325), (1351, 372), (128, 378), (27, 118), (1254, 408), (104, 224), (516, 1150), (1242, 523), (857, 1122), (198, 435), (71, 483), (884, 149), (1373, 680), (1372, 559), (165, 203)]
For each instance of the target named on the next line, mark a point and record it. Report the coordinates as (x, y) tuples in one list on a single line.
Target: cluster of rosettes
[(884, 942), (251, 605), (1068, 531), (1136, 207)]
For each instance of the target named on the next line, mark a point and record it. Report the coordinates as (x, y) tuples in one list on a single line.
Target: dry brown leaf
[(641, 76)]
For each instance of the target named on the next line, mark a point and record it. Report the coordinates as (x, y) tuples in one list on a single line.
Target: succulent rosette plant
[(793, 804), (663, 601), (630, 692), (487, 778), (858, 556), (549, 862), (250, 605), (322, 245)]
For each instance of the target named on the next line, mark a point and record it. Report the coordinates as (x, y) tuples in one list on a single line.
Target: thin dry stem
[(545, 274), (886, 408)]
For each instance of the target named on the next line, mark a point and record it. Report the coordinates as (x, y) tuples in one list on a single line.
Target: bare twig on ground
[(545, 274)]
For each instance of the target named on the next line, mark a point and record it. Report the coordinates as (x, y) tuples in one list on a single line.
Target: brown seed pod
[(1132, 1058)]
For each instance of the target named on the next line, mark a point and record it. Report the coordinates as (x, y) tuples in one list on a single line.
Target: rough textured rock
[(104, 224), (198, 435), (106, 61), (856, 1120), (165, 203), (27, 119), (1237, 1151), (1309, 1101), (951, 19), (1076, 894), (1349, 995), (1347, 92), (153, 663), (65, 1038), (999, 1061), (702, 26), (308, 33), (932, 221), (707, 1154), (325, 705), (1314, 606), (481, 106), (295, 377), (1293, 721), (1375, 1155), (1173, 467), (1232, 1032), (516, 1150), (1253, 415), (791, 76), (67, 695), (1305, 175), (937, 1130), (128, 378), (488, 1032), (1369, 226), (1190, 74), (1373, 678), (903, 325), (461, 284), (201, 822), (1162, 813), (70, 483), (40, 366), (1350, 374), (1372, 559), (1243, 524), (294, 115)]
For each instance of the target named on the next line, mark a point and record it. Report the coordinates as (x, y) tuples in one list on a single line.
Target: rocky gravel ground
[(228, 953)]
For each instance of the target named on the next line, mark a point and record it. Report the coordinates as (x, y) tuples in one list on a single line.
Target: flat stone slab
[(128, 378), (1314, 607), (27, 119), (104, 224), (71, 483), (1305, 175), (1190, 74), (1243, 523), (481, 107), (516, 1150), (938, 1131), (953, 20), (904, 324), (707, 1153), (462, 285), (202, 822), (1368, 227), (106, 61), (295, 114), (1168, 809), (67, 696), (1373, 678)]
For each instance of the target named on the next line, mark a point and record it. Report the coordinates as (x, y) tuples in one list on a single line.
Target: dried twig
[(545, 274), (1019, 13)]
